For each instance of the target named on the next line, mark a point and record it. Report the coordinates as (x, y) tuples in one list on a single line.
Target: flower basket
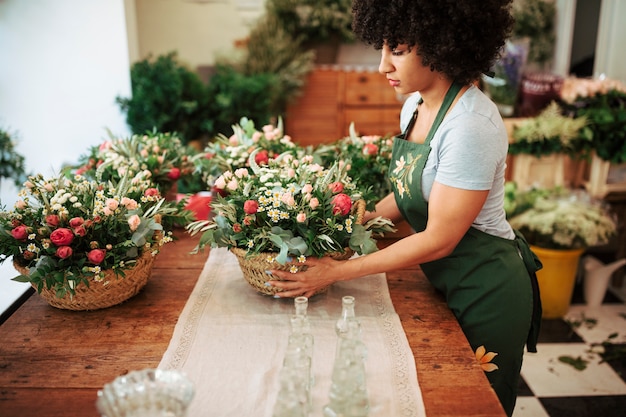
[(112, 290), (254, 266)]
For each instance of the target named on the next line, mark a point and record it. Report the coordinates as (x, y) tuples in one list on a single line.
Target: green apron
[(489, 282)]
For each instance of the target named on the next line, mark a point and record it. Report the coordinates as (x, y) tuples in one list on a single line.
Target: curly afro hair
[(459, 38)]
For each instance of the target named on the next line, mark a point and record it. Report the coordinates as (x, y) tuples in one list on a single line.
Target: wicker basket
[(111, 291), (253, 267)]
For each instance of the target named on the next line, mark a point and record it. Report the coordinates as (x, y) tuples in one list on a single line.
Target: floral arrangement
[(161, 157), (289, 206), (562, 219), (69, 231), (603, 103), (367, 160), (230, 153), (550, 132), (11, 162)]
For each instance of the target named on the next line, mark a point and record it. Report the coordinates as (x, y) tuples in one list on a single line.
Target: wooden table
[(53, 362)]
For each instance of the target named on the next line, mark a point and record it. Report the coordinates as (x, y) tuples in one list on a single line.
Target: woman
[(447, 170)]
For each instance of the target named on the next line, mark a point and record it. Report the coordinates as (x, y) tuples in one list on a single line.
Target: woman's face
[(404, 69)]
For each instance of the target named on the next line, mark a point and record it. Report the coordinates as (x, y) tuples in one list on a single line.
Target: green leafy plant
[(603, 103), (290, 206), (69, 231), (314, 21), (11, 162), (168, 97), (535, 19)]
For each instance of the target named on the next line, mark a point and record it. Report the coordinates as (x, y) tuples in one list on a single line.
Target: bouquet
[(160, 157), (289, 206), (68, 232), (366, 159), (231, 153)]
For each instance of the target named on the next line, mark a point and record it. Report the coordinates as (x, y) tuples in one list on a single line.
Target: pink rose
[(370, 149), (96, 256), (64, 252), (112, 204), (237, 228), (151, 192), (76, 222), (301, 217), (28, 255), (262, 157), (174, 173), (250, 206), (247, 220), (133, 222), (52, 220), (336, 187), (341, 204), (20, 232), (62, 236), (129, 203), (314, 203)]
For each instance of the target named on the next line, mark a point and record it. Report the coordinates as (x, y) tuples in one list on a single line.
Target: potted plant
[(603, 103), (559, 224), (11, 162), (315, 23), (287, 207), (544, 145), (84, 244)]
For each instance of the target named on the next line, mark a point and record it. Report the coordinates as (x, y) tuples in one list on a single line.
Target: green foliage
[(234, 93), (272, 50), (535, 19), (11, 162), (606, 114), (168, 97), (314, 21)]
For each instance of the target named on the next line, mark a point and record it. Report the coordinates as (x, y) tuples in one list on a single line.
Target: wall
[(198, 30), (610, 56)]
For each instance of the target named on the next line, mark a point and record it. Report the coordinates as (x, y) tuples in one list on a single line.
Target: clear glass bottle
[(348, 393)]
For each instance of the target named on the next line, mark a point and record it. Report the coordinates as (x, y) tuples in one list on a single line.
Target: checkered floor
[(553, 388)]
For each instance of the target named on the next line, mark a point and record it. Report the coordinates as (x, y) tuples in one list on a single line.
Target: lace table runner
[(230, 341)]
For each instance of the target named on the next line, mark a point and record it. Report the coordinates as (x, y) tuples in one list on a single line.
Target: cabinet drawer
[(385, 121)]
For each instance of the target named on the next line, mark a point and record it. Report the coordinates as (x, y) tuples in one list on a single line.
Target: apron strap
[(445, 106)]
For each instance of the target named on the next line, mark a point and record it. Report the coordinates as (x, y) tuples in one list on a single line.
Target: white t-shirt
[(469, 152)]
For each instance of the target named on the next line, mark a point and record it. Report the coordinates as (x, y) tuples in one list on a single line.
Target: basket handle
[(358, 210)]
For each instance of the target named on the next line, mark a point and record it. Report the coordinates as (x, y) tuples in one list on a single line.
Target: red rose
[(64, 252), (20, 232), (236, 228), (336, 187), (174, 173), (250, 206), (370, 149), (62, 236), (262, 157), (80, 231), (341, 204), (96, 256), (52, 220), (76, 221)]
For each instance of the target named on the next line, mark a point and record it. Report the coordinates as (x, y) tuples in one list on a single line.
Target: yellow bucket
[(556, 279)]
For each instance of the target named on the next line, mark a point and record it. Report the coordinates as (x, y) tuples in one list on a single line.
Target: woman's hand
[(320, 273)]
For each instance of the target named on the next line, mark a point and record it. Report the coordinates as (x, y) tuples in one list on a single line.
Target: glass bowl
[(148, 392)]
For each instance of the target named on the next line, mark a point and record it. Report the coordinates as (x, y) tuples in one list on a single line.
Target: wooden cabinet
[(333, 98)]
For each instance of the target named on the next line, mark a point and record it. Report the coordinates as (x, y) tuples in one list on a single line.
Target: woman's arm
[(451, 213)]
